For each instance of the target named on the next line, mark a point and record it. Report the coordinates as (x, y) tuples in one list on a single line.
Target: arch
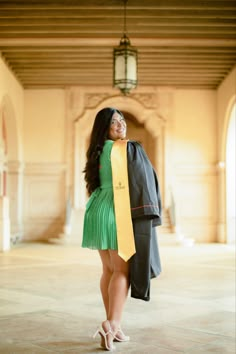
[(230, 164), (227, 117), (9, 140), (11, 170), (8, 114), (136, 109), (148, 117), (227, 198), (3, 154)]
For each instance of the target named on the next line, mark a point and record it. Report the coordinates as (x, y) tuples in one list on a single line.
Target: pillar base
[(221, 233)]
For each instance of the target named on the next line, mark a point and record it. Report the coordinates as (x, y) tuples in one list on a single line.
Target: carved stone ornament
[(93, 99), (148, 100)]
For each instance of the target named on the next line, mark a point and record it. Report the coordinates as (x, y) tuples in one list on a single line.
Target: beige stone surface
[(50, 301)]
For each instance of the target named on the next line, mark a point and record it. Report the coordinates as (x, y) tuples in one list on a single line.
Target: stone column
[(4, 224), (4, 206), (221, 223), (15, 195)]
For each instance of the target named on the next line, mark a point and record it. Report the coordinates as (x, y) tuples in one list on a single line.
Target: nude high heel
[(122, 338), (104, 337)]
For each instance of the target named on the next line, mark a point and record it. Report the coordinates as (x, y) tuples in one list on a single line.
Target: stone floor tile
[(50, 302), (16, 347), (221, 346), (221, 323)]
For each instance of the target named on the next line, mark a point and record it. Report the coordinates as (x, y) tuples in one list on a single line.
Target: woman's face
[(117, 127)]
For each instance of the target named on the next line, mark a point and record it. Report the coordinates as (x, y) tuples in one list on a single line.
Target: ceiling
[(181, 43)]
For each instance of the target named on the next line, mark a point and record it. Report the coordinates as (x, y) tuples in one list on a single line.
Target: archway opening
[(231, 178), (3, 157), (138, 132), (11, 173)]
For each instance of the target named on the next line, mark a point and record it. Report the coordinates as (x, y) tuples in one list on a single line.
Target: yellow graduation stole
[(125, 234)]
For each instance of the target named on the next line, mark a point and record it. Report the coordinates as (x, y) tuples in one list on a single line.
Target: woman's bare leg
[(105, 278), (118, 289), (114, 286), (107, 272)]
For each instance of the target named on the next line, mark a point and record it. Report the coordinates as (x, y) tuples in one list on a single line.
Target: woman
[(102, 224)]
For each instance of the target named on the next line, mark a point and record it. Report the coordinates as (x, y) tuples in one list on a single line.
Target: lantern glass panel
[(119, 67), (131, 68)]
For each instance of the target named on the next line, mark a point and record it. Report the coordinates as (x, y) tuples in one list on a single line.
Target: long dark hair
[(98, 136)]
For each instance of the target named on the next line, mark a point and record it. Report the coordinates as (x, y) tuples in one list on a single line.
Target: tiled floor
[(50, 302)]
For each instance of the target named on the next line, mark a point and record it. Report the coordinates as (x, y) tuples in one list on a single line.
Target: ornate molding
[(148, 100), (45, 168), (93, 99), (15, 166)]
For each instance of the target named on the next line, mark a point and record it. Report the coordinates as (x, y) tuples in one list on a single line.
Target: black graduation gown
[(146, 214)]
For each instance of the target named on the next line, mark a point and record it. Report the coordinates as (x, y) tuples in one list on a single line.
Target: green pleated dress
[(99, 231)]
